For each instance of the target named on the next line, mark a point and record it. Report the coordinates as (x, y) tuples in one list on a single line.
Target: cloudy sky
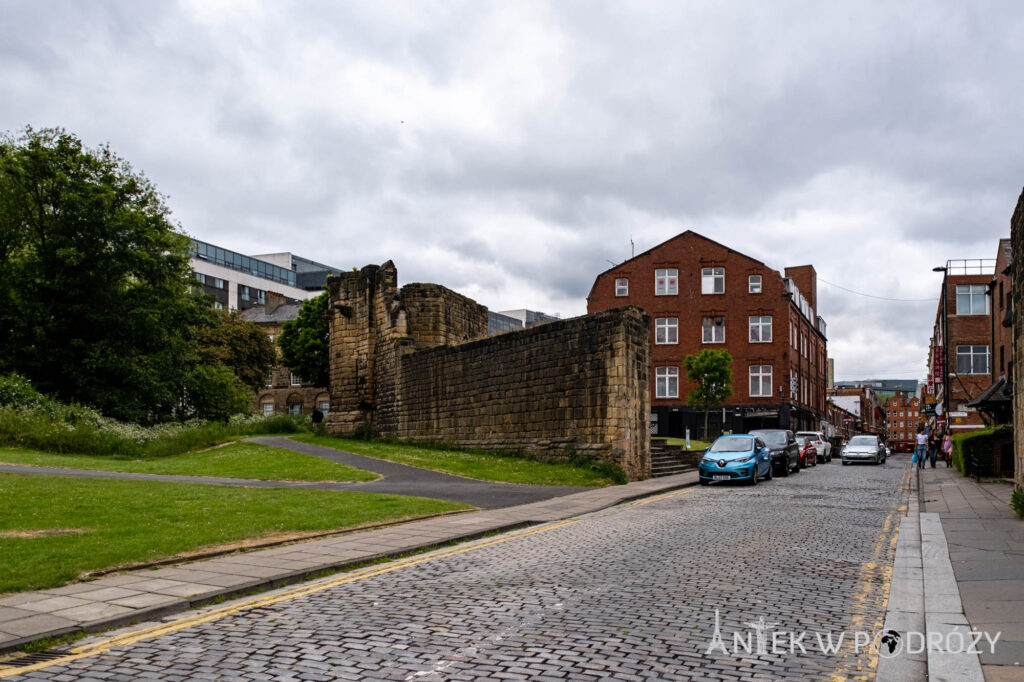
[(511, 150)]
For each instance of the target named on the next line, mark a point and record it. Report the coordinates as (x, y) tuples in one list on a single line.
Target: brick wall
[(1017, 242), (416, 364)]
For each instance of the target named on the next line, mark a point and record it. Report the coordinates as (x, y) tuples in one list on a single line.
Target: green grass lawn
[(694, 444), (238, 460), (487, 467), (54, 528)]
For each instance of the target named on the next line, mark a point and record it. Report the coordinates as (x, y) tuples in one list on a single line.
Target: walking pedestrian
[(947, 449), (933, 446), (922, 446)]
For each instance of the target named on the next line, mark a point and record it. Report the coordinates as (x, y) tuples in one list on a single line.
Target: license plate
[(721, 478)]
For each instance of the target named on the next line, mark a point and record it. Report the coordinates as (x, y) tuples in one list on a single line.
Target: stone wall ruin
[(416, 364)]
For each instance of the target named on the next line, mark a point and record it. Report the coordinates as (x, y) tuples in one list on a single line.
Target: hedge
[(981, 444)]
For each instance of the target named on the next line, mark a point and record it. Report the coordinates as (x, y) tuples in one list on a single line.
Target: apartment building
[(960, 353), (701, 294), (903, 416), (237, 281), (285, 392)]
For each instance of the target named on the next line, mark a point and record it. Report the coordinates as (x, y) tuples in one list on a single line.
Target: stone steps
[(670, 460)]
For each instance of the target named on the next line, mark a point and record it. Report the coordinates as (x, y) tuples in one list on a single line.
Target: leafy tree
[(711, 371), (239, 345), (97, 304), (304, 342)]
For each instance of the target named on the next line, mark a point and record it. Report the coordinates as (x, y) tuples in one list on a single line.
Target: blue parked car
[(736, 458)]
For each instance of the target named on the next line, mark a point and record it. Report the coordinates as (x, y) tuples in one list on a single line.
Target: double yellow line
[(211, 615), (871, 574)]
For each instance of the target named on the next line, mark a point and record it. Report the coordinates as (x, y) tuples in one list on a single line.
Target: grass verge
[(237, 460), (681, 442), (54, 528), (507, 468)]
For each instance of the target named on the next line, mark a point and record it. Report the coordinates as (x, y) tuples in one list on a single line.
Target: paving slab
[(116, 600), (982, 535)]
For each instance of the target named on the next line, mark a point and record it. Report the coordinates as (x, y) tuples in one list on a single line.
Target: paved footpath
[(985, 541), (634, 591), (149, 594), (396, 479)]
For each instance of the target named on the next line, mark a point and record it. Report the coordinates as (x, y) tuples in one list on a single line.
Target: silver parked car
[(864, 449)]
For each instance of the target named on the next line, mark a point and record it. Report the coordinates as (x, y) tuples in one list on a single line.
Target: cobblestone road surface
[(628, 593)]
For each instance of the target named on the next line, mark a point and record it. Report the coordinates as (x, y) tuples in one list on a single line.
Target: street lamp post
[(943, 325)]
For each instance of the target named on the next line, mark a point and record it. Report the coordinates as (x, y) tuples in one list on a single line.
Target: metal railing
[(971, 266)]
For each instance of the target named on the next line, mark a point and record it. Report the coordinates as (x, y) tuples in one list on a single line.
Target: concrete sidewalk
[(985, 542), (143, 595)]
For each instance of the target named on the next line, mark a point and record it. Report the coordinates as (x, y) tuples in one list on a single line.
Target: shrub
[(31, 419), (1017, 502)]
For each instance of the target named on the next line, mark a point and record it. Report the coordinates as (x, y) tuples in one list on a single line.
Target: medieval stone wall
[(1017, 286), (405, 363)]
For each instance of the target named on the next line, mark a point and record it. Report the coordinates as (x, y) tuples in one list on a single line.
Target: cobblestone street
[(627, 593)]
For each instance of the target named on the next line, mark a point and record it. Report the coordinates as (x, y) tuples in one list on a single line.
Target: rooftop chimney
[(274, 301)]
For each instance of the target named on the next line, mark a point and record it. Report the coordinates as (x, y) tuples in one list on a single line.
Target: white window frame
[(268, 409), (270, 378), (295, 380), (621, 286), (217, 305), (973, 292), (711, 279), (758, 326), (666, 382), (754, 284), (324, 406), (717, 324), (759, 373), (973, 352), (666, 282), (666, 331), (295, 409)]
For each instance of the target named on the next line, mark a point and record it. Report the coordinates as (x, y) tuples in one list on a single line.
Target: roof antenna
[(632, 247)]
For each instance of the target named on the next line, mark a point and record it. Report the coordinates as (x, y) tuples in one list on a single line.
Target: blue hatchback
[(736, 458)]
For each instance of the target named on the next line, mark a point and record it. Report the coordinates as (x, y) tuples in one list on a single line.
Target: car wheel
[(844, 462), (785, 467), (753, 477), (768, 476)]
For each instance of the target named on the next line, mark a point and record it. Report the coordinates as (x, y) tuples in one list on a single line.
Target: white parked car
[(823, 447)]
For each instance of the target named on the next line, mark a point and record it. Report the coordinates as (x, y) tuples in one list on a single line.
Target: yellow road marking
[(271, 599), (872, 572)]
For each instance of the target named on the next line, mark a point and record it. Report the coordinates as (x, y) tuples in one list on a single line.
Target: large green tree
[(97, 304), (711, 372), (239, 345), (304, 342)]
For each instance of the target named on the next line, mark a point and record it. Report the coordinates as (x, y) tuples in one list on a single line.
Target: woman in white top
[(922, 446)]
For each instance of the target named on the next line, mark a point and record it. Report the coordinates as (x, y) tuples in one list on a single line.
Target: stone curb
[(924, 598), (295, 563)]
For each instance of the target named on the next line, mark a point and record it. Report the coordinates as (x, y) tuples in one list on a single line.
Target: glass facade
[(237, 261)]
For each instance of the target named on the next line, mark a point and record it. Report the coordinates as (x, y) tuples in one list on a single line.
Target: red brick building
[(960, 356), (903, 415), (701, 294)]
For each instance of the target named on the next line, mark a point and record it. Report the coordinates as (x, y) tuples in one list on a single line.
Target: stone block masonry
[(416, 364)]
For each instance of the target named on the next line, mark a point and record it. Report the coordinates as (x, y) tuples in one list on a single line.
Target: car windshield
[(862, 440), (808, 434), (735, 444), (772, 438)]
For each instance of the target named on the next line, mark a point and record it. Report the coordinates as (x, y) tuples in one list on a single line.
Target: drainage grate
[(31, 659)]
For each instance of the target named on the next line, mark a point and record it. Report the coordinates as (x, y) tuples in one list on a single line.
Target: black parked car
[(784, 448)]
